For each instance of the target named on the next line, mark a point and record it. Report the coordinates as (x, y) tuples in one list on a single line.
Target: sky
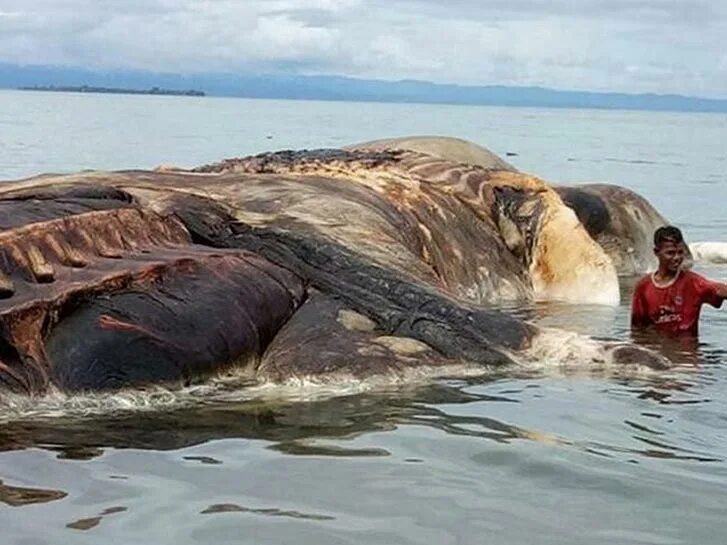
[(633, 46)]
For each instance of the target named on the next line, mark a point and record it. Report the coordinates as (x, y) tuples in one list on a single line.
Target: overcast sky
[(663, 46)]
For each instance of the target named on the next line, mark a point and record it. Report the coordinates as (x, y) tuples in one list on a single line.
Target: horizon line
[(17, 76)]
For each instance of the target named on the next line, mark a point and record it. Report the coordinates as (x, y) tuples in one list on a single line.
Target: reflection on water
[(16, 496), (681, 350), (287, 426), (232, 508), (92, 522), (323, 428), (593, 320), (464, 441), (203, 459)]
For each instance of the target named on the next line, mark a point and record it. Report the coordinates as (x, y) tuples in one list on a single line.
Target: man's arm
[(713, 293), (722, 290)]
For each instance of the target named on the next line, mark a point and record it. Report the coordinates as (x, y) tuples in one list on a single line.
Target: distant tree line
[(113, 90)]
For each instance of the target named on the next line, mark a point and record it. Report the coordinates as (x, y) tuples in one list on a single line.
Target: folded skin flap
[(187, 324)]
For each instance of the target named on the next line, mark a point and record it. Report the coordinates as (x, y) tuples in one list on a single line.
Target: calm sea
[(547, 458)]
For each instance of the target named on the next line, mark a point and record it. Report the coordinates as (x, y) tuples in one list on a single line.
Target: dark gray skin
[(621, 221), (278, 266)]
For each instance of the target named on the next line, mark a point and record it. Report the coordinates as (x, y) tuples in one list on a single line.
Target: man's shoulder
[(701, 283), (642, 282), (691, 276)]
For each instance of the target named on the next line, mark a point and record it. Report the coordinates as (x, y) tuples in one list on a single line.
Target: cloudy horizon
[(660, 46)]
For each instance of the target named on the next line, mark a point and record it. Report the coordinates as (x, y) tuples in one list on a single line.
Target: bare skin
[(671, 258)]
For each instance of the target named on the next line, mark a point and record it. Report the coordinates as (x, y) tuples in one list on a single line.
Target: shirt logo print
[(667, 314)]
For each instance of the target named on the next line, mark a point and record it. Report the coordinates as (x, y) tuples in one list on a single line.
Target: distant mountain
[(349, 89)]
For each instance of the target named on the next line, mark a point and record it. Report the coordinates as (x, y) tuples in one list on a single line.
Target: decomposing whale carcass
[(618, 219), (330, 264)]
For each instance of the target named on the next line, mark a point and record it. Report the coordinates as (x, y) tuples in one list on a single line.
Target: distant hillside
[(350, 89)]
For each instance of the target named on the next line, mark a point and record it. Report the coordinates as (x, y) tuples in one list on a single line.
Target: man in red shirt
[(670, 299)]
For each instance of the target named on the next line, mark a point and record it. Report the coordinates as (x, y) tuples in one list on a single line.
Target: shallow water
[(546, 456)]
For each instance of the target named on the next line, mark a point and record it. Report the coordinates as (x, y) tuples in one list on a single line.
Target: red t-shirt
[(673, 308)]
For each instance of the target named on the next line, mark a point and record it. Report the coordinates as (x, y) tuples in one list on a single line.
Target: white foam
[(710, 252), (229, 388), (551, 349), (566, 350), (314, 387)]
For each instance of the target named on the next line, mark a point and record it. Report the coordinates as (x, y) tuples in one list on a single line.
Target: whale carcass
[(326, 264)]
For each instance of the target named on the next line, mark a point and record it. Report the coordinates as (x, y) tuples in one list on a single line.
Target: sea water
[(544, 456)]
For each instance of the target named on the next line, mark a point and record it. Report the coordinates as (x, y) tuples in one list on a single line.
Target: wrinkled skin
[(619, 220), (329, 265)]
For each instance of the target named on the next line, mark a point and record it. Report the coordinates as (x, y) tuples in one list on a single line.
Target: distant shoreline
[(113, 90), (340, 89)]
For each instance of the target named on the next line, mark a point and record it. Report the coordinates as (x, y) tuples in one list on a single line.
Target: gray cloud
[(666, 46)]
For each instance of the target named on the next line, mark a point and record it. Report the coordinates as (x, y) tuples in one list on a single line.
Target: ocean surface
[(547, 457)]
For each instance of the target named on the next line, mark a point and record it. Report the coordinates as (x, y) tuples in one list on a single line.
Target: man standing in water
[(670, 299)]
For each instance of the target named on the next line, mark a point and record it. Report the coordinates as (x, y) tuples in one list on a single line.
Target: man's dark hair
[(668, 233)]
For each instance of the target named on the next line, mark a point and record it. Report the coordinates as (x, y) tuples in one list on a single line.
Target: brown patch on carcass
[(461, 243), (50, 268), (34, 252), (110, 323)]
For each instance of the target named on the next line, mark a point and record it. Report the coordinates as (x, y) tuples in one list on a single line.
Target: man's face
[(670, 255)]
